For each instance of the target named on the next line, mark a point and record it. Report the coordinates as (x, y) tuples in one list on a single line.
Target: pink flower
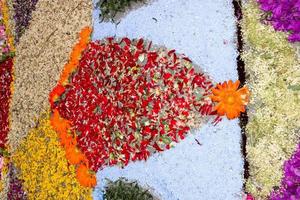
[(248, 197), (1, 163)]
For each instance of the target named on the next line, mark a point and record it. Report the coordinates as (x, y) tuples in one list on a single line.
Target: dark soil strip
[(242, 77)]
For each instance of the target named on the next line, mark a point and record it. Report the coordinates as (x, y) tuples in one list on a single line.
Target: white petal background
[(205, 32)]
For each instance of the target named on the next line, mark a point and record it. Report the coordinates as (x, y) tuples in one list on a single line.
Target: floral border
[(272, 131), (6, 77), (63, 126)]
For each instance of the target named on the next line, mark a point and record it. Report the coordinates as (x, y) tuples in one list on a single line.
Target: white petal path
[(205, 32)]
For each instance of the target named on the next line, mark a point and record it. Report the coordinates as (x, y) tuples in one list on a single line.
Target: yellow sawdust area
[(43, 167), (272, 66), (41, 55)]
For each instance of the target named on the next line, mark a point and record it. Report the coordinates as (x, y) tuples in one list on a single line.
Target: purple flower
[(290, 184), (295, 37), (16, 191), (284, 16), (22, 17)]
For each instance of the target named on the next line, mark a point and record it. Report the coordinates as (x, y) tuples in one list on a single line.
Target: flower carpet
[(149, 100)]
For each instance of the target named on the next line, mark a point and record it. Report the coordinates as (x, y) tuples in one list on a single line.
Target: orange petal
[(216, 91), (236, 85), (215, 98), (243, 90), (231, 114), (230, 84), (73, 155), (67, 140), (242, 109), (55, 93), (220, 108), (75, 55), (225, 85), (85, 33), (219, 86), (84, 177), (59, 124)]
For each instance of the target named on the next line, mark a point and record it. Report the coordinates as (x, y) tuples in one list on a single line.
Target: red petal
[(167, 76)]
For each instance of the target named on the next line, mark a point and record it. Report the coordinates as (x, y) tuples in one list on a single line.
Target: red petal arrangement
[(6, 79), (127, 100), (6, 72)]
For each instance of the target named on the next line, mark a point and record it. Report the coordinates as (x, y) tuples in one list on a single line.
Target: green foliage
[(110, 8), (4, 152), (123, 189), (6, 56)]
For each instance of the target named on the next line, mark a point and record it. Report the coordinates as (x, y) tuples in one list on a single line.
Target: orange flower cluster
[(231, 100), (75, 55), (56, 93), (63, 126), (73, 154), (85, 177), (71, 66)]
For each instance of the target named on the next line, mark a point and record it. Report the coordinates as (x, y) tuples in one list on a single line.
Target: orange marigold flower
[(73, 155), (75, 55), (66, 139), (59, 124), (85, 177), (231, 100), (56, 93), (85, 34), (68, 69)]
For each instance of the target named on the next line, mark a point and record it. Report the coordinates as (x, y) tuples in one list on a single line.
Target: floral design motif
[(73, 155), (284, 16), (231, 100), (61, 125), (127, 100)]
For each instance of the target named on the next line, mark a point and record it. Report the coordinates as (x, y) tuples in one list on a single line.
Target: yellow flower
[(44, 168)]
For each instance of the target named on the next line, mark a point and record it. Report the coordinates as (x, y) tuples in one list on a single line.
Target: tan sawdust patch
[(40, 57)]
